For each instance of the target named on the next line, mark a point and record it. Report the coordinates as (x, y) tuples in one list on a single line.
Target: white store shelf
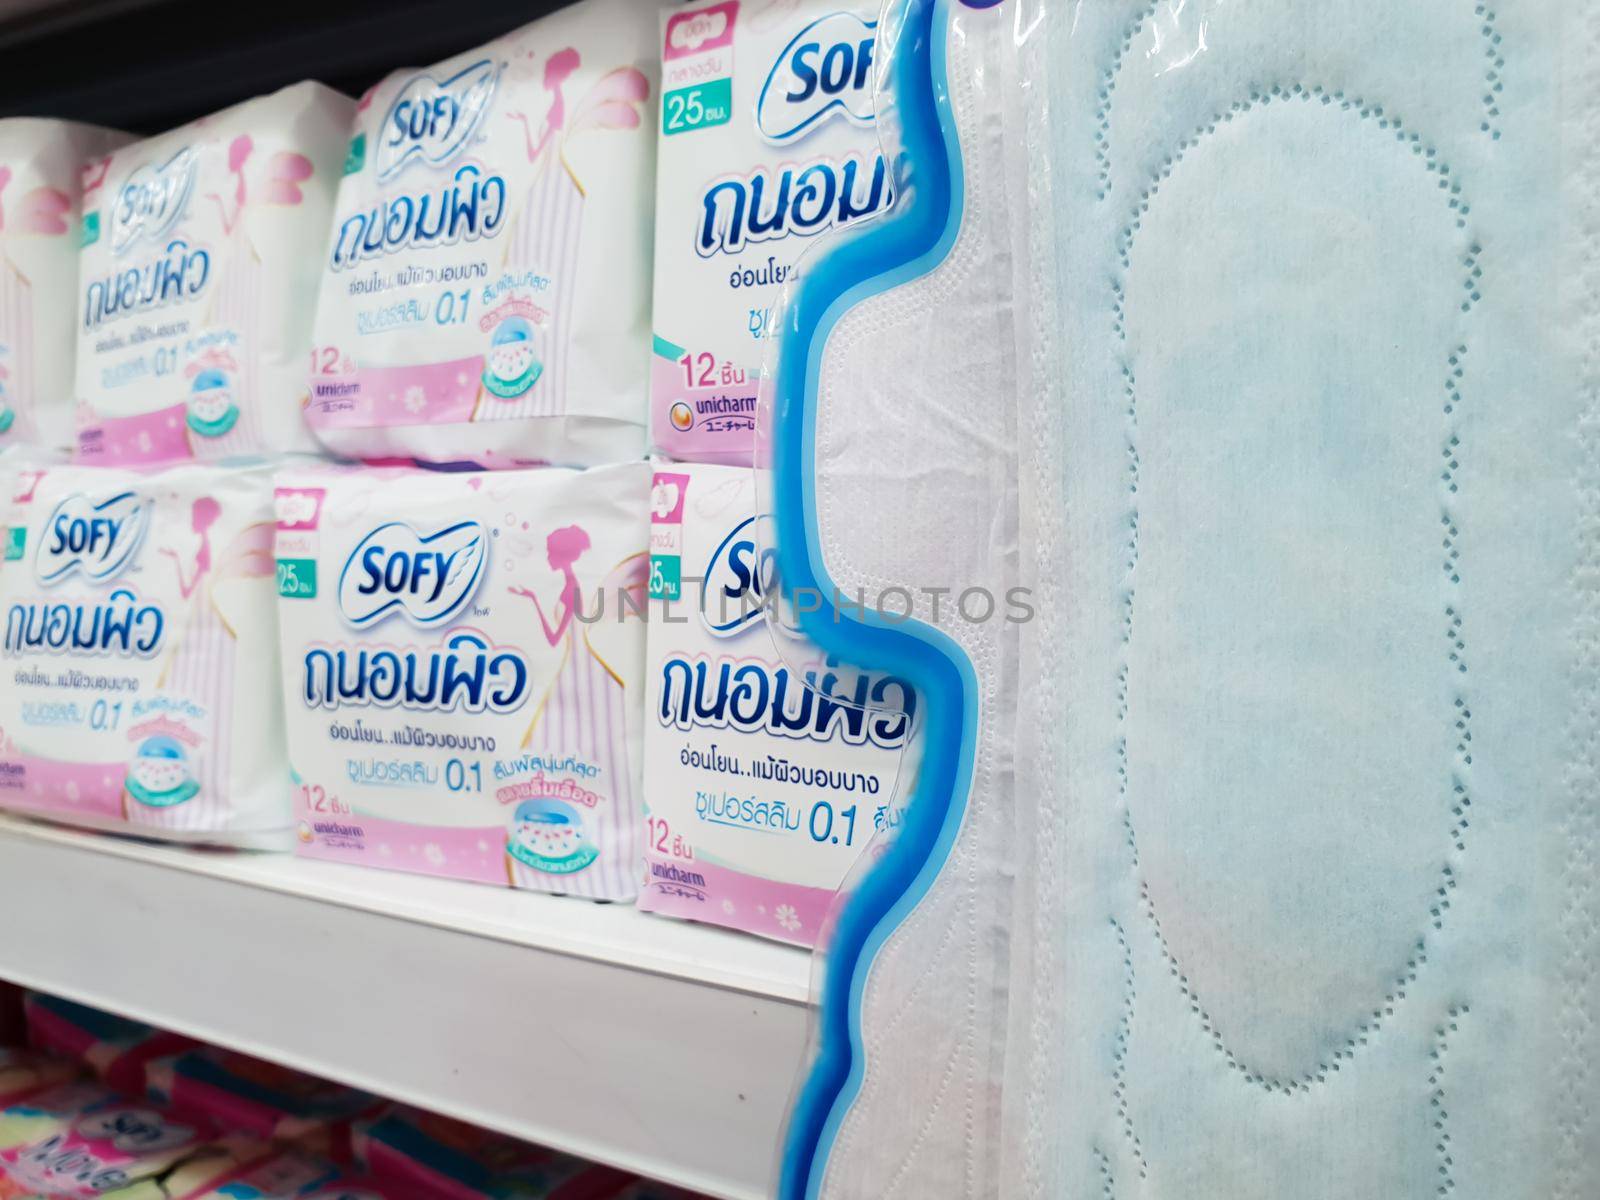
[(662, 1047)]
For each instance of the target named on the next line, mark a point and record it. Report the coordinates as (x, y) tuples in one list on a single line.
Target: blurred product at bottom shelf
[(24, 1071), (83, 1139), (115, 1048), (294, 1174), (260, 1098), (422, 1154), (209, 1124)]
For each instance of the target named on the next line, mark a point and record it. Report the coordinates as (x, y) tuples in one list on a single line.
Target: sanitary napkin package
[(463, 660), (40, 164), (258, 1098), (139, 632), (197, 279), (766, 140), (485, 294), (115, 1048), (1259, 343), (768, 768)]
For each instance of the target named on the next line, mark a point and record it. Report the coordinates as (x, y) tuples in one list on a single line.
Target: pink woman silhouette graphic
[(563, 548), (202, 517)]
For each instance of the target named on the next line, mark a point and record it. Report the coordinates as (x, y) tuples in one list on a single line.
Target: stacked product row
[(548, 666), (102, 1106)]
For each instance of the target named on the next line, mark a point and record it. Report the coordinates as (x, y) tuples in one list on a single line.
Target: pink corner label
[(667, 493), (705, 29), (298, 509)]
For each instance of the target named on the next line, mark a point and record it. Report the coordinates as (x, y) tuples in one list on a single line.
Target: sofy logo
[(428, 578), (152, 200), (432, 121), (95, 538), (738, 578), (826, 68)]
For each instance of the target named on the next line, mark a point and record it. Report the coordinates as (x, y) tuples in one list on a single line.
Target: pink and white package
[(197, 278), (140, 687), (769, 767), (768, 141), (485, 297), (40, 162), (463, 659)]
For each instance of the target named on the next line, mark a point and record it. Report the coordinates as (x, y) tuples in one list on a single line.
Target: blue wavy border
[(907, 243)]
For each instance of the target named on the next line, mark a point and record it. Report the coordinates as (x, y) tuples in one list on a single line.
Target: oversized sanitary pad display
[(117, 1049), (768, 768), (140, 683), (197, 279), (463, 657), (767, 140), (485, 293), (40, 167), (1261, 344)]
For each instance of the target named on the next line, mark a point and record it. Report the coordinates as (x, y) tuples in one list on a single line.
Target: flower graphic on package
[(787, 917), (415, 399)]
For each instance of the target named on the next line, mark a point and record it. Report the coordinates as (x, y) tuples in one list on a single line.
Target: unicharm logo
[(826, 68), (152, 200), (95, 538), (432, 121), (429, 578)]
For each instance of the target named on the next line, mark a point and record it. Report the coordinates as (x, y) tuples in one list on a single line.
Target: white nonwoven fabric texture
[(1268, 355), (916, 489)]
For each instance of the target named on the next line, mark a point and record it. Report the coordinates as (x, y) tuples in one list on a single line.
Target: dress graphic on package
[(583, 712), (171, 782), (222, 408), (519, 351)]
